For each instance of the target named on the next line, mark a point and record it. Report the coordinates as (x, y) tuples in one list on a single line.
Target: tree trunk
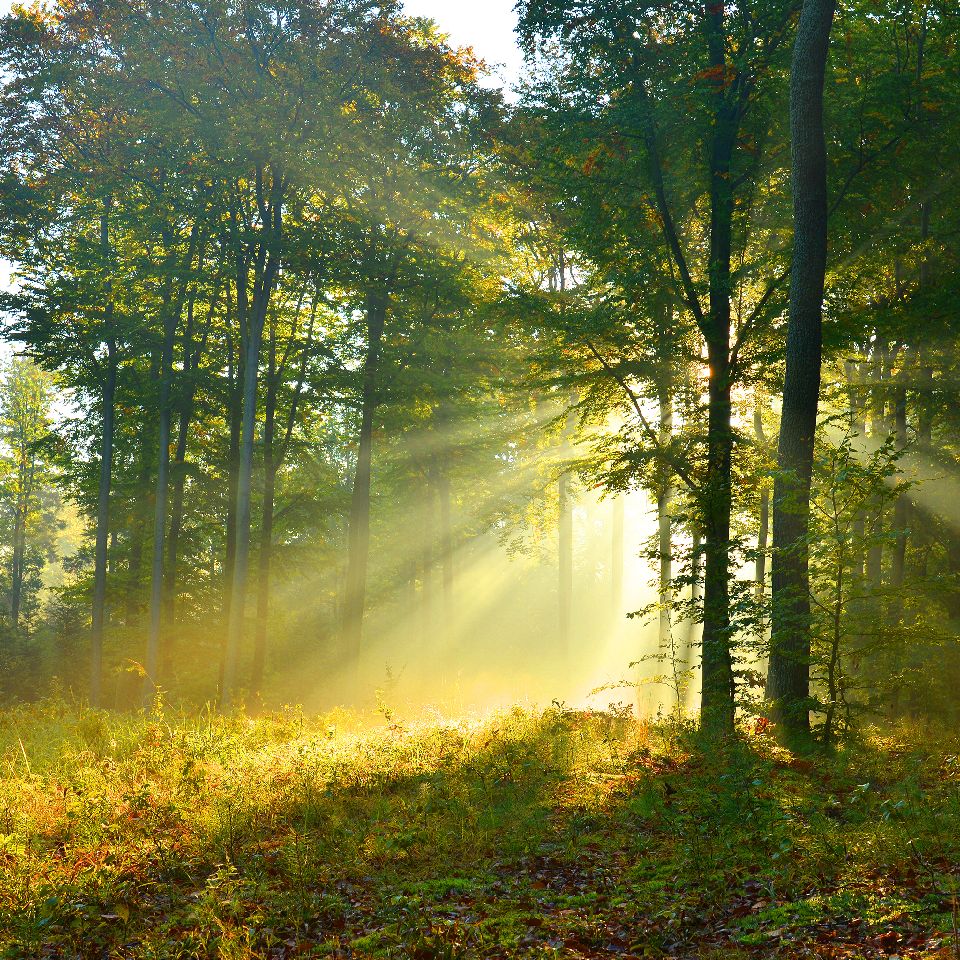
[(160, 510), (257, 317), (902, 506), (763, 532), (718, 700), (565, 546), (358, 534), (235, 378), (178, 478), (788, 676), (445, 543), (617, 544), (565, 563), (266, 524), (139, 511), (428, 564), (16, 572), (98, 618), (664, 538)]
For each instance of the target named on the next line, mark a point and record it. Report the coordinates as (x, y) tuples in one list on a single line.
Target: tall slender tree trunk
[(858, 428), (717, 704), (358, 535), (234, 414), (445, 543), (16, 574), (696, 598), (617, 545), (925, 399), (266, 523), (428, 564), (565, 546), (244, 487), (664, 538), (178, 478), (763, 521), (879, 428), (718, 694), (788, 676), (160, 510), (139, 510), (98, 618), (898, 560), (717, 701), (99, 606), (565, 563), (715, 495)]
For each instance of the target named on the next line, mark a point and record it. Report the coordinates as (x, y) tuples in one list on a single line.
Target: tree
[(788, 677), (26, 401)]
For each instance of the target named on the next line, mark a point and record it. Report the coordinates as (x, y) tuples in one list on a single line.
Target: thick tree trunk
[(718, 694), (358, 534), (788, 676), (717, 701)]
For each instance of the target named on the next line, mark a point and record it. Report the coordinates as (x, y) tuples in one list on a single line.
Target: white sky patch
[(486, 26)]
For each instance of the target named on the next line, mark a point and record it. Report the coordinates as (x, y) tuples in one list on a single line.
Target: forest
[(441, 518)]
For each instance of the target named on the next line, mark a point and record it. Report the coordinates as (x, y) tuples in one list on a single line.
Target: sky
[(485, 25)]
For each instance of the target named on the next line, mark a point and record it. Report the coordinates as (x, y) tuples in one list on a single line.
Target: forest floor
[(526, 834)]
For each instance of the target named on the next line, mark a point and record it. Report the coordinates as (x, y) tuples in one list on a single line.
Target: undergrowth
[(558, 833)]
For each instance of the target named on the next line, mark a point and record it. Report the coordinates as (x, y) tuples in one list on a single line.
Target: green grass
[(551, 834)]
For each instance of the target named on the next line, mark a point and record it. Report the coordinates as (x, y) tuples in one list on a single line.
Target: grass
[(536, 834)]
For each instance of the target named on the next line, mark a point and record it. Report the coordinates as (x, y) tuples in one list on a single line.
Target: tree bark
[(160, 512), (266, 522), (98, 618), (763, 521), (788, 676), (617, 544), (358, 534), (565, 548), (446, 544), (191, 361), (273, 457), (664, 538), (171, 318), (99, 606), (244, 487)]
